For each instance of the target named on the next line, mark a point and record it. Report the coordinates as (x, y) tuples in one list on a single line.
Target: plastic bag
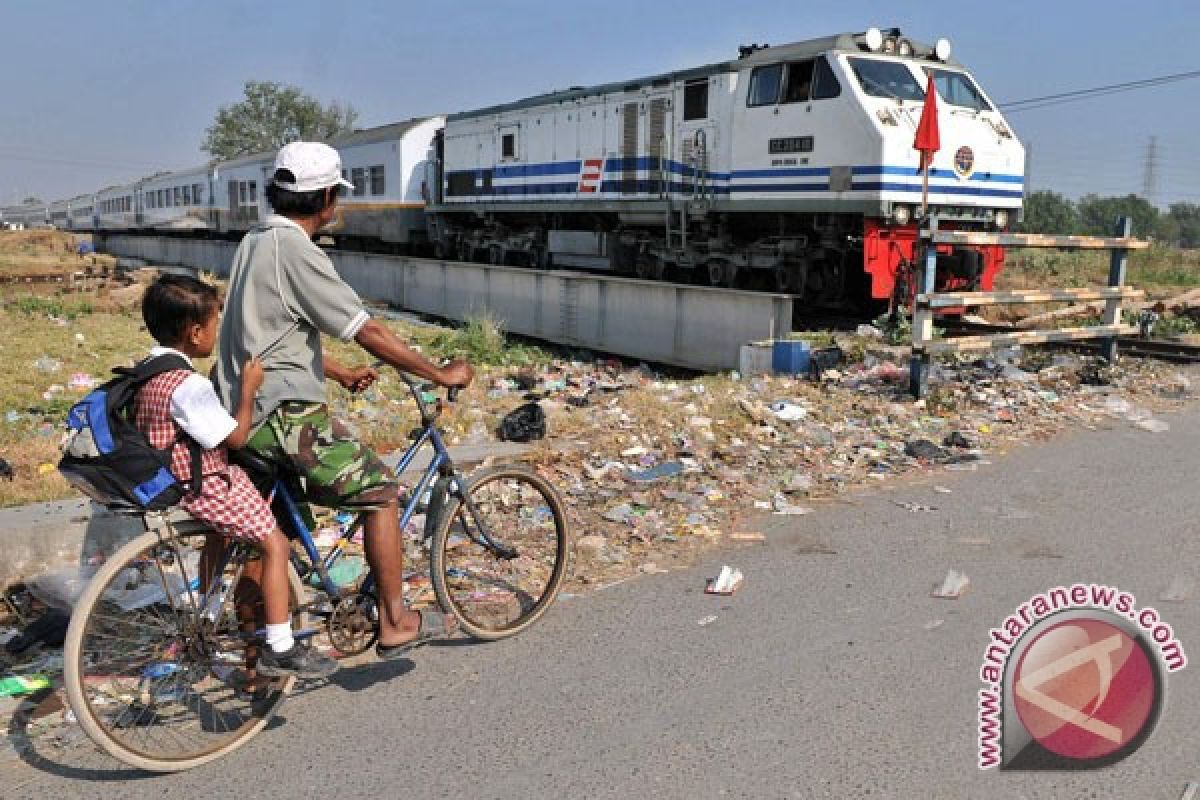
[(523, 424)]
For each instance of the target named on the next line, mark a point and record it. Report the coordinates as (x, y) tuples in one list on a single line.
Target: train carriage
[(80, 213), (116, 208), (176, 202), (239, 201), (792, 164), (391, 167)]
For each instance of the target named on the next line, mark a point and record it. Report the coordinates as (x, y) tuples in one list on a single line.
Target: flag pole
[(925, 159)]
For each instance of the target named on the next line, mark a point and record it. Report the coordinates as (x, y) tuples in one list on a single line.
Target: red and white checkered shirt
[(228, 500), (152, 416)]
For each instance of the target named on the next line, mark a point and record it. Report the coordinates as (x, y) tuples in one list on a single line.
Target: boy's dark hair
[(174, 302), (297, 204)]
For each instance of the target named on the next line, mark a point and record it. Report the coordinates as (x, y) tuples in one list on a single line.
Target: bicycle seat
[(263, 472)]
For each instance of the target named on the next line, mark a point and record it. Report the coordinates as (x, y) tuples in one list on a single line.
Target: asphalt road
[(825, 676)]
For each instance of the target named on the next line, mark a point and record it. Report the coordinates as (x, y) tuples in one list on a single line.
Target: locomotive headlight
[(873, 39), (942, 49), (1001, 219), (901, 215), (905, 47)]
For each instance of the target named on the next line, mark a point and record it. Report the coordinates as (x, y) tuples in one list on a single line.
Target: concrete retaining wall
[(689, 326)]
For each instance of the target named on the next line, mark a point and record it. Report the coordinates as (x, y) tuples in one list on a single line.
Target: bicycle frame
[(440, 463)]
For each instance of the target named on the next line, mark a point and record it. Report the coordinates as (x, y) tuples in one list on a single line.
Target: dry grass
[(45, 253)]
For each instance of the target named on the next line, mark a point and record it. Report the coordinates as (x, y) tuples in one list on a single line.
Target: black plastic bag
[(523, 424)]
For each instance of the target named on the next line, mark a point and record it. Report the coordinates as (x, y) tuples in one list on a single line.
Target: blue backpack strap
[(150, 368)]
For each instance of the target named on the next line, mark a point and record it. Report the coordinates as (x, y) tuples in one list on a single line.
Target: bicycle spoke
[(152, 678)]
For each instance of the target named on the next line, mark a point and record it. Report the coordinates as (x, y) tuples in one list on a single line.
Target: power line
[(1044, 101)]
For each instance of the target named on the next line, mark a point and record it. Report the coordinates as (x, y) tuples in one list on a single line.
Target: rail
[(928, 301)]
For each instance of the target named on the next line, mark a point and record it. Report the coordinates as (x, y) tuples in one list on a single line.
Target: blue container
[(790, 357)]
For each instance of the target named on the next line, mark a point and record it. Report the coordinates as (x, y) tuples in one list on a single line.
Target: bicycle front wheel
[(500, 552), (156, 680)]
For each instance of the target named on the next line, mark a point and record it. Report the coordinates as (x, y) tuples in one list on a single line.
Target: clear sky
[(96, 93)]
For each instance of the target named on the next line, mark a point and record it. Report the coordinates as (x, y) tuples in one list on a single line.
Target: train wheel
[(715, 271), (466, 250), (781, 280)]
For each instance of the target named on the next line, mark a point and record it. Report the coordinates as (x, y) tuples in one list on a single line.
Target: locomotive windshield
[(886, 79), (957, 89)]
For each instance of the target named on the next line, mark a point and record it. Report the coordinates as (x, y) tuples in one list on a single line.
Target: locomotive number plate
[(792, 144)]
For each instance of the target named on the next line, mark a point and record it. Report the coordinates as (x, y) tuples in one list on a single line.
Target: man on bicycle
[(283, 294)]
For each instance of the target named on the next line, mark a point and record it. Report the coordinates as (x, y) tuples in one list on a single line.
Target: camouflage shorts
[(338, 471)]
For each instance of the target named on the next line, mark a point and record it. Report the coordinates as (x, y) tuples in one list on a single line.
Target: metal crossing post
[(922, 322), (1116, 278)]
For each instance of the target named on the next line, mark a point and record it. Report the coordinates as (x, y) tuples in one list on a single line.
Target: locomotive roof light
[(905, 47), (889, 45), (873, 39), (942, 49), (901, 214)]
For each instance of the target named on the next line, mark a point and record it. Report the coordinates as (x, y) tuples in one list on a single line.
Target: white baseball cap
[(314, 164)]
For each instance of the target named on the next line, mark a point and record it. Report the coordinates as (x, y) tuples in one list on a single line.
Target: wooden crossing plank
[(970, 343), (957, 299), (1039, 240)]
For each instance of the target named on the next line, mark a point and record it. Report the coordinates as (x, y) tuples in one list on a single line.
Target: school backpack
[(107, 458)]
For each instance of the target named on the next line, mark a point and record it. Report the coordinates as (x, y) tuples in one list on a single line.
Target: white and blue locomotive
[(793, 163)]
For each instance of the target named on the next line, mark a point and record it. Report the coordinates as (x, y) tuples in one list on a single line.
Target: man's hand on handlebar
[(357, 379), (457, 374)]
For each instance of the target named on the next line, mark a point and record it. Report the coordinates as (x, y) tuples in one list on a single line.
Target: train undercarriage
[(826, 260)]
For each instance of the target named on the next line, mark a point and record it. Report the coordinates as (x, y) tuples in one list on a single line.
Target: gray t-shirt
[(283, 294)]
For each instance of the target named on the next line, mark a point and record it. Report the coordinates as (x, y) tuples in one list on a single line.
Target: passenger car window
[(764, 85)]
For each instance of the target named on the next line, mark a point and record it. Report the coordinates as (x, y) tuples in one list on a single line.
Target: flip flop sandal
[(433, 626)]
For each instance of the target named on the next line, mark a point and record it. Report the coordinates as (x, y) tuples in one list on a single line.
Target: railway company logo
[(964, 162), (590, 177), (1076, 679)]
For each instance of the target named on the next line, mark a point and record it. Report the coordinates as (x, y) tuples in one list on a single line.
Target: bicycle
[(159, 655)]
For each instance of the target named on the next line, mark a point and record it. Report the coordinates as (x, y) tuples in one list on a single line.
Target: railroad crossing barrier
[(928, 301), (689, 326)]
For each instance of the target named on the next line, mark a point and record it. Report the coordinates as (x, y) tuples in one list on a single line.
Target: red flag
[(928, 141)]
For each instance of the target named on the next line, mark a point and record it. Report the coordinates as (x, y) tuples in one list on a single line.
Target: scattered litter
[(781, 506), (924, 449), (748, 537), (943, 490), (728, 581), (523, 424), (650, 568), (18, 685), (934, 623), (788, 412), (1152, 425), (6, 470), (1191, 791), (47, 364), (81, 382), (915, 508), (707, 620), (868, 332), (974, 541), (953, 585), (667, 470)]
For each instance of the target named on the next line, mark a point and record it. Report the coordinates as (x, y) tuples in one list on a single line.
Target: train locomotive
[(790, 168)]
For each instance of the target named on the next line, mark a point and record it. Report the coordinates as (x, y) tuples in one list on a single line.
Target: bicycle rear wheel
[(150, 681), (496, 592)]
